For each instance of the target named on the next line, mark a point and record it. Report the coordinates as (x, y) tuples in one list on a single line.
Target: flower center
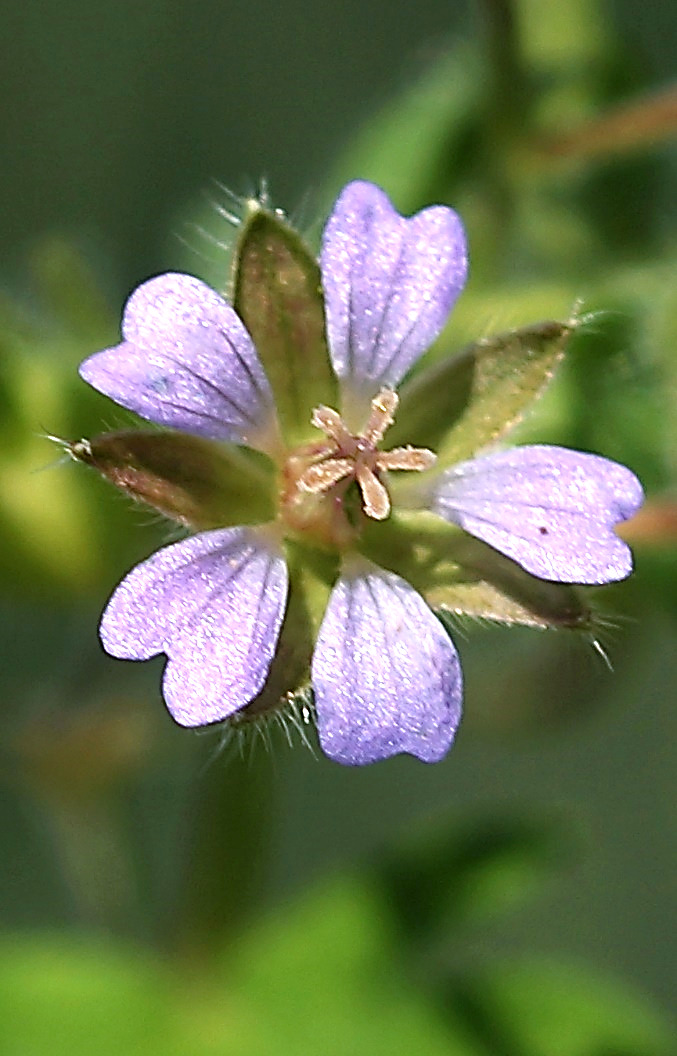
[(316, 477)]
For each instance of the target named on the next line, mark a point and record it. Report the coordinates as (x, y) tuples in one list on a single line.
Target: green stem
[(225, 841)]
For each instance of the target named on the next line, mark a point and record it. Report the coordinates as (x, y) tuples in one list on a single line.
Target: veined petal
[(214, 603), (389, 284), (550, 509), (386, 676), (187, 362)]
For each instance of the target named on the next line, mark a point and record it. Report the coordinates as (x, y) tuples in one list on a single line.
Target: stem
[(227, 829)]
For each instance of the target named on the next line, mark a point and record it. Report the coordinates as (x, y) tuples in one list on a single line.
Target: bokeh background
[(159, 893)]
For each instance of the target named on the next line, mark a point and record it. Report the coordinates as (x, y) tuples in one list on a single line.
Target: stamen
[(356, 456), (412, 458), (374, 494), (382, 416), (331, 423), (324, 475)]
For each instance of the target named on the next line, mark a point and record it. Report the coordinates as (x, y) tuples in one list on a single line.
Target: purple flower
[(385, 674)]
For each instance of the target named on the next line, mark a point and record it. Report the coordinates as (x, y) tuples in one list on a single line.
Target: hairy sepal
[(462, 576), (459, 406), (277, 293), (198, 483)]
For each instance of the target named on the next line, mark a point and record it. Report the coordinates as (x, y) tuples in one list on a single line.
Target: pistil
[(347, 456)]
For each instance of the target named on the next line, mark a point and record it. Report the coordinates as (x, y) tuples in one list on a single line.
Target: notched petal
[(550, 509), (386, 676), (389, 284), (187, 362), (214, 604)]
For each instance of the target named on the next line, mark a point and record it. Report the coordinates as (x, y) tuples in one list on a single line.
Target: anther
[(356, 456)]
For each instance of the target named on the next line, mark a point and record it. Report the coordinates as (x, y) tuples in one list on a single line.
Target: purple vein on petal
[(187, 362), (214, 604), (385, 674), (551, 509), (389, 284)]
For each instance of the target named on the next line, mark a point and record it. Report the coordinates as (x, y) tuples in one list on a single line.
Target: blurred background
[(160, 894)]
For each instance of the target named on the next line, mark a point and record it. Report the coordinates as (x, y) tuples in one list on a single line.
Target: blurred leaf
[(453, 875), (68, 289), (539, 1007), (278, 295), (59, 528), (66, 998), (323, 976), (557, 41)]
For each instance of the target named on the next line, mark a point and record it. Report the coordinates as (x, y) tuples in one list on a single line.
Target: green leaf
[(536, 1007), (461, 576), (68, 998), (327, 969), (450, 876), (278, 295), (459, 406), (197, 482)]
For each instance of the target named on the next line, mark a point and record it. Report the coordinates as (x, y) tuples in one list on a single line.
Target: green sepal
[(461, 576), (199, 483), (277, 293), (459, 406), (312, 574)]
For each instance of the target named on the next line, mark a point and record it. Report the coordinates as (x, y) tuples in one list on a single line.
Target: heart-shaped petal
[(550, 509), (389, 284), (214, 603), (187, 362), (386, 676)]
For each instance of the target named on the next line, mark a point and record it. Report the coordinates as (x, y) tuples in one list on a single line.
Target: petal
[(214, 604), (389, 284), (386, 676), (188, 362), (550, 509)]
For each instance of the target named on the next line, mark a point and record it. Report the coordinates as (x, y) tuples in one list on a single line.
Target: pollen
[(348, 457)]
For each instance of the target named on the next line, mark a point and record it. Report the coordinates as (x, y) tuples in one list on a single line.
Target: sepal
[(197, 482), (462, 576), (460, 405), (287, 687), (277, 293)]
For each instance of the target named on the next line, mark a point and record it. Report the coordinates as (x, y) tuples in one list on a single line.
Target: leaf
[(197, 482), (331, 953), (450, 876), (459, 406), (537, 1006), (278, 295), (66, 998)]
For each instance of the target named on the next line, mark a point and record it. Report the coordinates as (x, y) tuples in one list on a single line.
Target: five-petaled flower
[(385, 674)]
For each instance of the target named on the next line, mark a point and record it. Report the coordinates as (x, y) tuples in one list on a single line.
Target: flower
[(385, 674)]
